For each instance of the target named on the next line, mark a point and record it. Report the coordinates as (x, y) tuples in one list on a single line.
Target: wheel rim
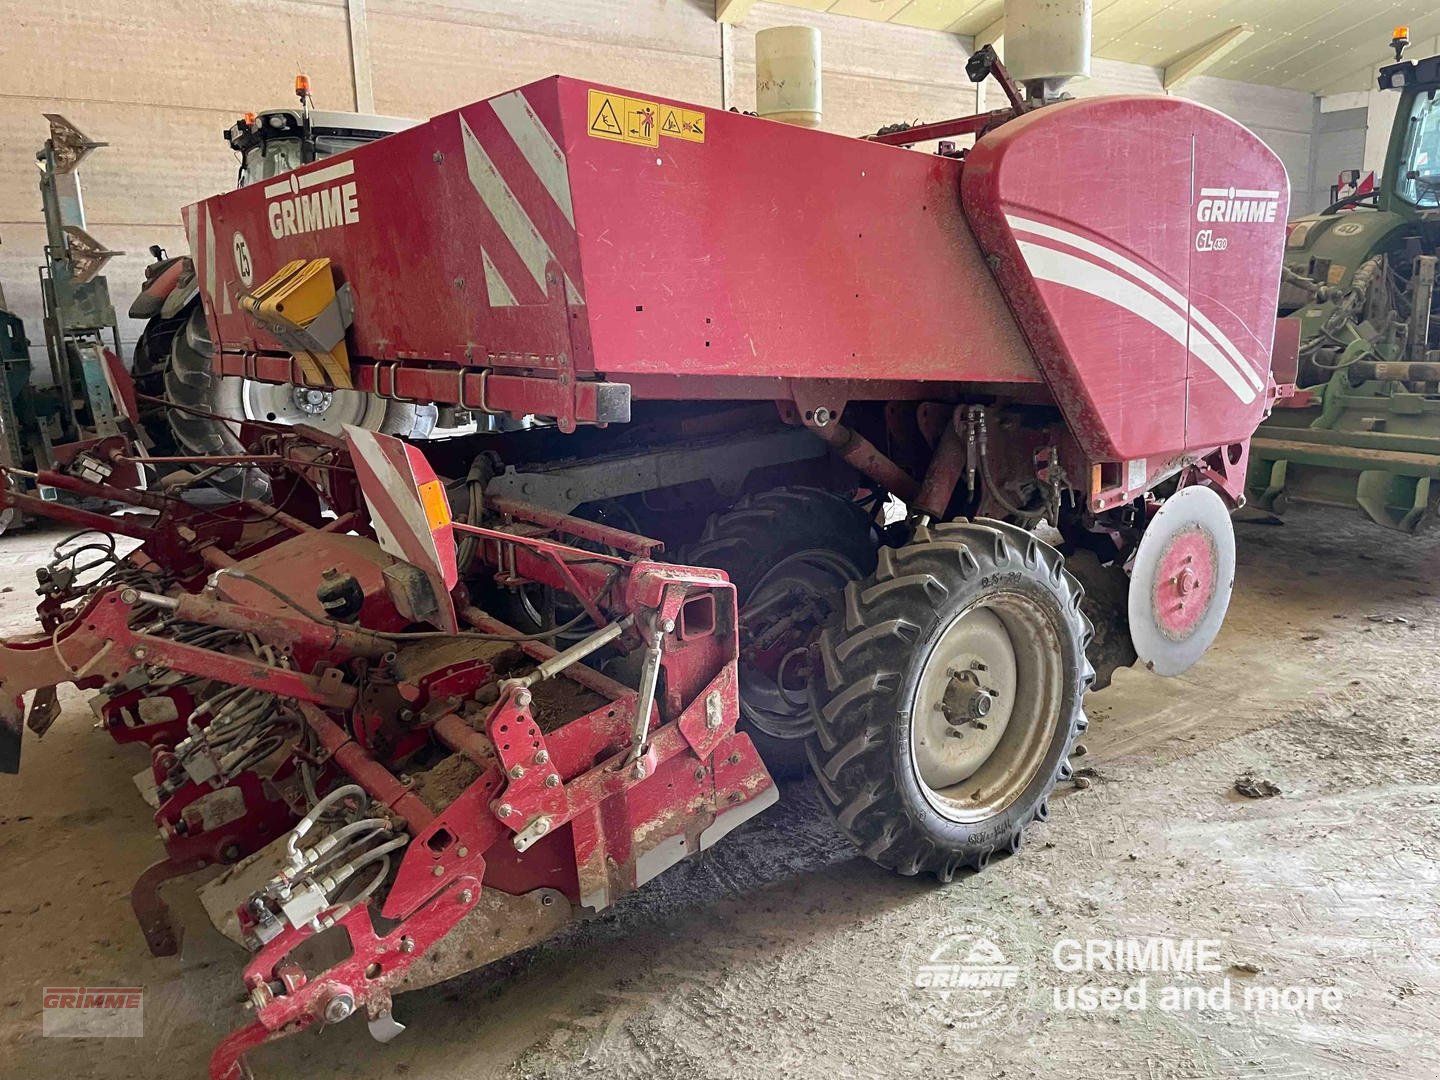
[(286, 403), (986, 707), (778, 621)]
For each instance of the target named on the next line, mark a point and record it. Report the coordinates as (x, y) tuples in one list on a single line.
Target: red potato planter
[(441, 703)]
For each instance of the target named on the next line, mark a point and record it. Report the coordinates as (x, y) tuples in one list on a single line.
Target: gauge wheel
[(789, 552), (951, 697)]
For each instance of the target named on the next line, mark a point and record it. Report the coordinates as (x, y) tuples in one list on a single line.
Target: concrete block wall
[(160, 79)]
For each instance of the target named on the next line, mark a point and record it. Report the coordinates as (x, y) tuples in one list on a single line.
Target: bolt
[(638, 772), (734, 759), (517, 771), (438, 157), (668, 626), (466, 895), (230, 852), (700, 773), (459, 282), (541, 756), (462, 851), (522, 699), (822, 416), (546, 900), (407, 944), (542, 825), (129, 596), (339, 1006), (506, 810), (438, 871), (259, 997), (139, 652), (552, 780)]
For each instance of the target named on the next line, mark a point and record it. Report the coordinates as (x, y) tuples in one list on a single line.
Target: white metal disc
[(1181, 580)]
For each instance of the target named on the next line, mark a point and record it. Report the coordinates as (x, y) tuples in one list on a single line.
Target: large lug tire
[(788, 551), (918, 770)]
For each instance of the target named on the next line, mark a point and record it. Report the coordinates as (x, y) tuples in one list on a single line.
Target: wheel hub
[(778, 621), (310, 400), (289, 403), (984, 707)]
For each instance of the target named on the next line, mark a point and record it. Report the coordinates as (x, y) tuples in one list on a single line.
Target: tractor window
[(271, 157), (326, 145), (1419, 179)]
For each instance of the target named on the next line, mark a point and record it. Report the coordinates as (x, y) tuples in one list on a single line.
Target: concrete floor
[(782, 953)]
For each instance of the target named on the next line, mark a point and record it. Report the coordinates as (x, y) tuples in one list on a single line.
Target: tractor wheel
[(790, 553), (172, 361), (951, 697)]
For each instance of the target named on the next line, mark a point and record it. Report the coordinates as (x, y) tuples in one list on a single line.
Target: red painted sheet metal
[(509, 233), (1138, 240), (770, 250)]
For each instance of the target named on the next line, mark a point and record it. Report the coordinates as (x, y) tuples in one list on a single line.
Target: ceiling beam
[(732, 11), (1203, 57)]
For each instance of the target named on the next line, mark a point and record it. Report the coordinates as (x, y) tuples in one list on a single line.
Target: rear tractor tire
[(789, 553), (173, 361), (951, 697)]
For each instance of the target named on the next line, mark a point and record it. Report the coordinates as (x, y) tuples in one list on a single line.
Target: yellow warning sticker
[(623, 119), (633, 120), (605, 116), (682, 123), (642, 122)]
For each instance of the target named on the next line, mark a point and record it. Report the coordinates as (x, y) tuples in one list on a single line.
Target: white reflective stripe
[(1236, 193), (539, 148), (534, 252), (499, 292), (407, 518), (1147, 277), (291, 184), (191, 234), (330, 172), (1048, 264), (572, 293), (210, 289)]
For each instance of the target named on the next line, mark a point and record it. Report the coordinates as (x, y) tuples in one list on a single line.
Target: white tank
[(1047, 42), (787, 75)]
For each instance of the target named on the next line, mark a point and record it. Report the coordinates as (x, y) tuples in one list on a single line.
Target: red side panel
[(523, 227), (1138, 240)]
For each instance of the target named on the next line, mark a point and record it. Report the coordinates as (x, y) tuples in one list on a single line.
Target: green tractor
[(1363, 428)]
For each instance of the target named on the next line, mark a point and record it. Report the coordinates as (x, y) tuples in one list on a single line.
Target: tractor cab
[(273, 142), (1412, 165)]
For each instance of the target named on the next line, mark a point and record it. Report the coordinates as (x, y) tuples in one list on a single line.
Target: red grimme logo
[(91, 997)]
